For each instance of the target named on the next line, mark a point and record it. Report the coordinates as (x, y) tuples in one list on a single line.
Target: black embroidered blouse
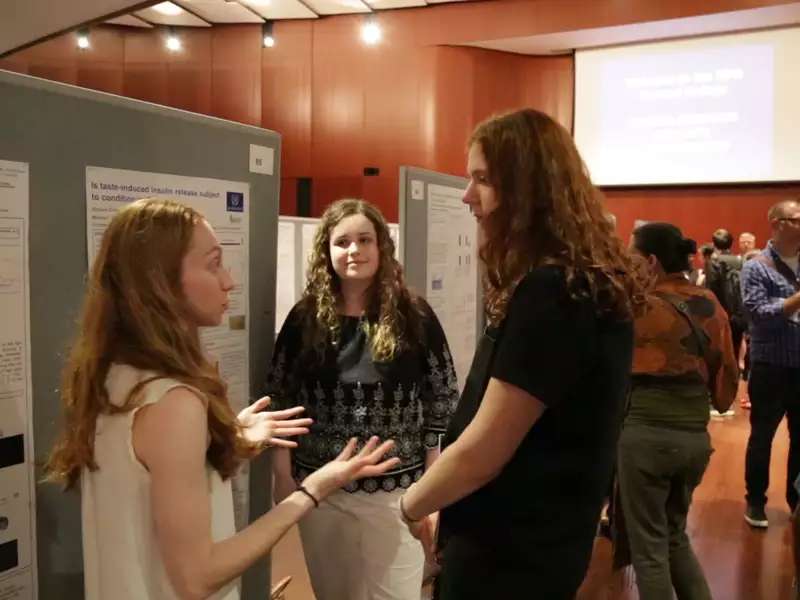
[(409, 399)]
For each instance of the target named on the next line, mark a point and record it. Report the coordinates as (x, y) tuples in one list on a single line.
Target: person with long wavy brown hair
[(529, 453), (149, 434), (365, 357)]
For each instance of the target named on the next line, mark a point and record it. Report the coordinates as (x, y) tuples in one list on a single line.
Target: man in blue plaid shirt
[(771, 296)]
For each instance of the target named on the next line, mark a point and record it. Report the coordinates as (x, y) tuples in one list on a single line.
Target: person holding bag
[(683, 354)]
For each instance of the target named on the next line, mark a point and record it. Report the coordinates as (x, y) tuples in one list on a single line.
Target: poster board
[(59, 131), (439, 238)]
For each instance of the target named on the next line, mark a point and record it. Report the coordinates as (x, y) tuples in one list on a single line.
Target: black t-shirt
[(408, 399), (545, 504)]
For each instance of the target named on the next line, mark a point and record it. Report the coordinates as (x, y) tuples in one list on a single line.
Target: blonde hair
[(394, 313), (134, 312)]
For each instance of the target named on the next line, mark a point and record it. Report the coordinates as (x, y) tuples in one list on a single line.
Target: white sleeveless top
[(121, 557)]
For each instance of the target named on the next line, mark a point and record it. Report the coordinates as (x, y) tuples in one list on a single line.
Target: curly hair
[(549, 213), (394, 314), (134, 313)]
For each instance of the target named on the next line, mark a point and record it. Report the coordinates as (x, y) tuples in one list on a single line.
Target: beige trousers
[(357, 548)]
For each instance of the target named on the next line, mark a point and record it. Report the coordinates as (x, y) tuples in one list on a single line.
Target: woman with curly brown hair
[(149, 434), (364, 357), (529, 453)]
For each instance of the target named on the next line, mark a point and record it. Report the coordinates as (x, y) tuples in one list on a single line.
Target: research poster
[(452, 272), (17, 474), (226, 206)]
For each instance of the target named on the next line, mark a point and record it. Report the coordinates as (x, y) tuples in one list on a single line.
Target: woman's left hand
[(425, 531), (269, 428)]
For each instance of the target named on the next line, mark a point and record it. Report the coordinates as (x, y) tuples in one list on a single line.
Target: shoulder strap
[(680, 305), (779, 266)]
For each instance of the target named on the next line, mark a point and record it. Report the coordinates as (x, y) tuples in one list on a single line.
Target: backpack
[(732, 290), (724, 279)]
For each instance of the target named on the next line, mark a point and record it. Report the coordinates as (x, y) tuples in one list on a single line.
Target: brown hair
[(394, 313), (549, 213), (134, 313)]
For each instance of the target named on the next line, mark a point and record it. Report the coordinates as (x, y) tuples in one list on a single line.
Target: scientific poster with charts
[(17, 474), (452, 272), (226, 205)]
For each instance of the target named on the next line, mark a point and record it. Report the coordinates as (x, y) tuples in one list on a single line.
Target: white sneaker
[(729, 413), (715, 413)]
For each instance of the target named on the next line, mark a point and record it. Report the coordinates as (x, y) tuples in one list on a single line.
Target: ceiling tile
[(337, 7), (168, 13), (129, 21), (280, 9), (387, 4), (219, 11)]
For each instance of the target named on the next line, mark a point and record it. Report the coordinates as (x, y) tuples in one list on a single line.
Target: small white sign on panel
[(262, 159)]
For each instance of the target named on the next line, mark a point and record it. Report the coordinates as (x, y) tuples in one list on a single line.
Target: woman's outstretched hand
[(349, 466), (269, 428)]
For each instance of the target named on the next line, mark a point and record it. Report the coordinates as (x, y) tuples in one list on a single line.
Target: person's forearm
[(229, 558), (727, 386), (791, 305), (283, 482), (455, 474)]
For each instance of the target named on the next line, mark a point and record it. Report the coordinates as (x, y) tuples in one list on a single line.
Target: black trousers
[(473, 570), (774, 392), (737, 333)]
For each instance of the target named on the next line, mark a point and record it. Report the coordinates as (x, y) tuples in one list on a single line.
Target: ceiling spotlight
[(168, 8), (371, 33), (173, 41), (269, 38), (83, 39)]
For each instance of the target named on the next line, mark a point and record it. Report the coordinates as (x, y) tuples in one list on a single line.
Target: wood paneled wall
[(341, 106)]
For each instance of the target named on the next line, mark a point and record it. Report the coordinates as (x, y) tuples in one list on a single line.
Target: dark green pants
[(658, 470)]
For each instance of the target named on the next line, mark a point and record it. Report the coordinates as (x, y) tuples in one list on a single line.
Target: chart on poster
[(452, 272), (17, 473), (225, 205)]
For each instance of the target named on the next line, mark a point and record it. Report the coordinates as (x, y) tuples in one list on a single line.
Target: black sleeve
[(440, 388), (715, 274), (284, 355), (543, 333)]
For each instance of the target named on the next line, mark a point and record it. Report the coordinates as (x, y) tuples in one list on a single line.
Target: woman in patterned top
[(364, 357), (683, 354)]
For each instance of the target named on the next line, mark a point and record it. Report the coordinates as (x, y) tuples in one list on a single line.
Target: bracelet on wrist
[(303, 490), (404, 515)]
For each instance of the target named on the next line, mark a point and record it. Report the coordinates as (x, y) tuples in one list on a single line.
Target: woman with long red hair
[(529, 453), (149, 434)]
